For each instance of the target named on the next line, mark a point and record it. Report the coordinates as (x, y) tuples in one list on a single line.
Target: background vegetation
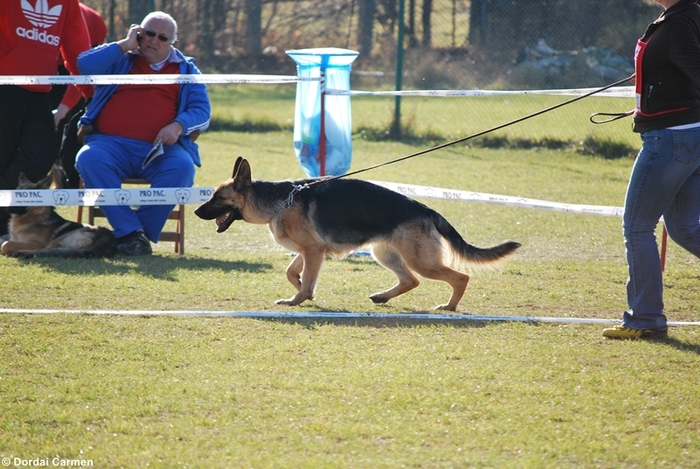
[(455, 44)]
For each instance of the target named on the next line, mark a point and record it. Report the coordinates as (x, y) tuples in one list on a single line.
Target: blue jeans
[(665, 181), (105, 160)]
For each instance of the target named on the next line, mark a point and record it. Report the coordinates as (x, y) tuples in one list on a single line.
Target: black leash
[(483, 132), (611, 116), (296, 189)]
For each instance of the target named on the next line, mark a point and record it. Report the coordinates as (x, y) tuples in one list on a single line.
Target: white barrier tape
[(91, 197), (617, 92), (333, 315), (198, 195), (452, 194), (164, 79)]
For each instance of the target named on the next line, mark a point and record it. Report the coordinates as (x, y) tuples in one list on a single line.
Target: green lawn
[(138, 391)]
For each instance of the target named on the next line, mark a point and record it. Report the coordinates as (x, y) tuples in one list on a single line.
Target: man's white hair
[(163, 16)]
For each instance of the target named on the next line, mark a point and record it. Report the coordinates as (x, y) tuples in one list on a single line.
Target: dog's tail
[(468, 255)]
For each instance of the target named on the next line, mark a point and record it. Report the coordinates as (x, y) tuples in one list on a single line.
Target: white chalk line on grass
[(334, 315)]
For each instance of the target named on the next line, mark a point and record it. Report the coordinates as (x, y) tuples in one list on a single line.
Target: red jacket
[(31, 38), (97, 29)]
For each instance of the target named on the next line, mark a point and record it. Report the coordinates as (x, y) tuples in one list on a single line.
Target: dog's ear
[(46, 182), (58, 176), (243, 179), (236, 166), (23, 178)]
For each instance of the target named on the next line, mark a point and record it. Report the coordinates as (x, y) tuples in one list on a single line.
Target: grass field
[(138, 391)]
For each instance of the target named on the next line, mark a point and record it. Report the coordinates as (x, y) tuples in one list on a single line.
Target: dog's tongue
[(224, 221)]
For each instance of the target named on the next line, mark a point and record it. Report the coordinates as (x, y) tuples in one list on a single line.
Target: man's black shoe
[(135, 244)]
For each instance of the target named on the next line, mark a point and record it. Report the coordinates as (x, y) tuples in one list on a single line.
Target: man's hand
[(60, 114), (170, 133), (131, 41)]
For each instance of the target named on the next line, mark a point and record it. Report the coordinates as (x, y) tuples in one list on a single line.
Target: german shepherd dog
[(318, 218), (40, 231)]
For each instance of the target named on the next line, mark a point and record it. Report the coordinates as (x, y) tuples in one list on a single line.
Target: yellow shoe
[(623, 332)]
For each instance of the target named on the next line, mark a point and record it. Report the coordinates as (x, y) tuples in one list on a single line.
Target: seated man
[(123, 122)]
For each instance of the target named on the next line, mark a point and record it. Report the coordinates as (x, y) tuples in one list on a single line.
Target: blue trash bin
[(332, 155)]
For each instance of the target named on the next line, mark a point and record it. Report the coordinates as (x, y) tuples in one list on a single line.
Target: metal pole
[(322, 136)]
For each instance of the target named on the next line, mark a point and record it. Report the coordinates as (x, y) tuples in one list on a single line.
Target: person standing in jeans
[(665, 180)]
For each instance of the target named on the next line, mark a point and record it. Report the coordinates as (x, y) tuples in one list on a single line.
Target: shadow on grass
[(679, 345), (406, 318), (374, 322), (156, 267)]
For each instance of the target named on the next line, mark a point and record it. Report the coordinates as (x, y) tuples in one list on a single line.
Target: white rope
[(335, 315), (616, 92), (147, 79)]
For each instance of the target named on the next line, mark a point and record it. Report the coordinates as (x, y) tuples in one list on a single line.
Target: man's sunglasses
[(161, 37)]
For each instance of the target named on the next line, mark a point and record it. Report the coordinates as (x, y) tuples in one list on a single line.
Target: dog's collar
[(290, 198)]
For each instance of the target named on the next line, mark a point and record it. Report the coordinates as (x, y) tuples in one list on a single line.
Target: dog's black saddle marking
[(65, 225)]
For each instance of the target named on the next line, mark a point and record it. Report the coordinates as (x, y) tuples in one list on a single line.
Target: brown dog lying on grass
[(319, 218), (40, 231)]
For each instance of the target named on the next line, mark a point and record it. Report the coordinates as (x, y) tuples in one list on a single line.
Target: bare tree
[(211, 21), (427, 25), (253, 17), (366, 9), (138, 9), (477, 22), (411, 26)]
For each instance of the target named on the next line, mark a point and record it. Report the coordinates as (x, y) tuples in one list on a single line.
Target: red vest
[(140, 111)]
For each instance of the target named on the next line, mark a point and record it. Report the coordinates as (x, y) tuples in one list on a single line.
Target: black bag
[(69, 149)]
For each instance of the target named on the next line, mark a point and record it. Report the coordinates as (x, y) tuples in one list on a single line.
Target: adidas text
[(34, 35)]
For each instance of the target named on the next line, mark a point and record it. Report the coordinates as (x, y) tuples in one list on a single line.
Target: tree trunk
[(427, 24), (211, 20), (411, 26), (138, 9), (366, 26), (253, 18), (477, 22)]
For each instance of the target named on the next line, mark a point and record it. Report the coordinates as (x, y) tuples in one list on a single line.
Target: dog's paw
[(444, 308), (289, 302), (295, 300), (378, 298)]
